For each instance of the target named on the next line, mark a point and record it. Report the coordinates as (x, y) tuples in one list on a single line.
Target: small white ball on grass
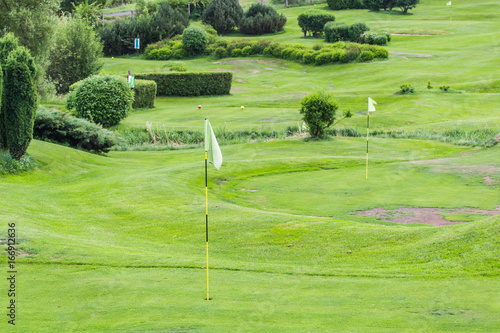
[(242, 107)]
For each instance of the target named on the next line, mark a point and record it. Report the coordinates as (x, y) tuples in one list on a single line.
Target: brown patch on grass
[(250, 190), (490, 181), (430, 216), (241, 81)]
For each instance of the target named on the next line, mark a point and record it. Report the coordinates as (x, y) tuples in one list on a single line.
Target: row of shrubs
[(326, 53)]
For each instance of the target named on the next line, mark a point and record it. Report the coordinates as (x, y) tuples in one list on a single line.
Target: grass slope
[(128, 229)]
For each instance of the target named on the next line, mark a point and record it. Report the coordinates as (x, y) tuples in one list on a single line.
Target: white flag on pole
[(371, 105), (448, 4)]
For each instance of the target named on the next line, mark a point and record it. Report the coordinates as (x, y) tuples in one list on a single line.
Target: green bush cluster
[(62, 128), (190, 84), (345, 4), (144, 94), (319, 54), (102, 99), (18, 97), (335, 32), (260, 19), (376, 38), (118, 37), (313, 21)]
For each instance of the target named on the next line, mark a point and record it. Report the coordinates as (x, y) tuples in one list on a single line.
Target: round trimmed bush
[(323, 58), (236, 53), (103, 99), (220, 52), (179, 54), (366, 56), (246, 51), (194, 39), (222, 15), (164, 54)]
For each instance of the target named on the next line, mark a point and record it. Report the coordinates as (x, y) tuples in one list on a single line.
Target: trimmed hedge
[(335, 32), (144, 94), (61, 127), (345, 4), (313, 21), (190, 84)]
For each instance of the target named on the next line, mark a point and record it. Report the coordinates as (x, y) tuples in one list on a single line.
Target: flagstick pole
[(367, 134), (206, 214)]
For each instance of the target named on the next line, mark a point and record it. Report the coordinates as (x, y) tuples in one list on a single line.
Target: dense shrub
[(238, 44), (246, 51), (118, 37), (375, 38), (194, 39), (76, 54), (318, 110), (179, 54), (144, 94), (102, 99), (335, 32), (309, 57), (260, 19), (313, 21), (366, 56), (236, 53), (345, 4), (220, 52), (61, 127), (222, 15), (406, 88), (323, 58), (19, 101), (190, 84), (9, 165)]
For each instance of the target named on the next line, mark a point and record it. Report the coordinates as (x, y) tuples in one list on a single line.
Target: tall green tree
[(20, 102), (406, 5), (32, 22), (76, 55), (223, 15)]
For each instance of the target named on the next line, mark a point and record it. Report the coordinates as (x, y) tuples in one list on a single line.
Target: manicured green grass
[(128, 229)]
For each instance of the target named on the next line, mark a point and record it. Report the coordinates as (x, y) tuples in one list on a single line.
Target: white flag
[(371, 105), (214, 155), (448, 4)]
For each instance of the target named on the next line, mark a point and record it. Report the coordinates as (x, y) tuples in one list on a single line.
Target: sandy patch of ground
[(240, 81), (430, 216)]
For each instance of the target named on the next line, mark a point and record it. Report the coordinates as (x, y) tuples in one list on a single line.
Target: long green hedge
[(144, 94), (190, 84)]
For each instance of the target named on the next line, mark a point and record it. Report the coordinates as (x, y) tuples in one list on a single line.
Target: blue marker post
[(137, 44)]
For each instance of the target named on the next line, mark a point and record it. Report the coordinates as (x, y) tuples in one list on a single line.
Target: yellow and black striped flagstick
[(367, 134), (371, 107), (206, 215)]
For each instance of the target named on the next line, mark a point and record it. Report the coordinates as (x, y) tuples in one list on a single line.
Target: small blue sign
[(136, 44)]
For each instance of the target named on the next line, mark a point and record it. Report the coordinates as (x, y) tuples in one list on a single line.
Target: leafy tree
[(19, 102), (76, 54), (70, 5), (318, 111), (32, 22), (260, 19), (406, 5), (223, 15)]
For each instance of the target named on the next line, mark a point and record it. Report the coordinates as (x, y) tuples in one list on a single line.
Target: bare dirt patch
[(241, 81), (432, 216), (490, 181)]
